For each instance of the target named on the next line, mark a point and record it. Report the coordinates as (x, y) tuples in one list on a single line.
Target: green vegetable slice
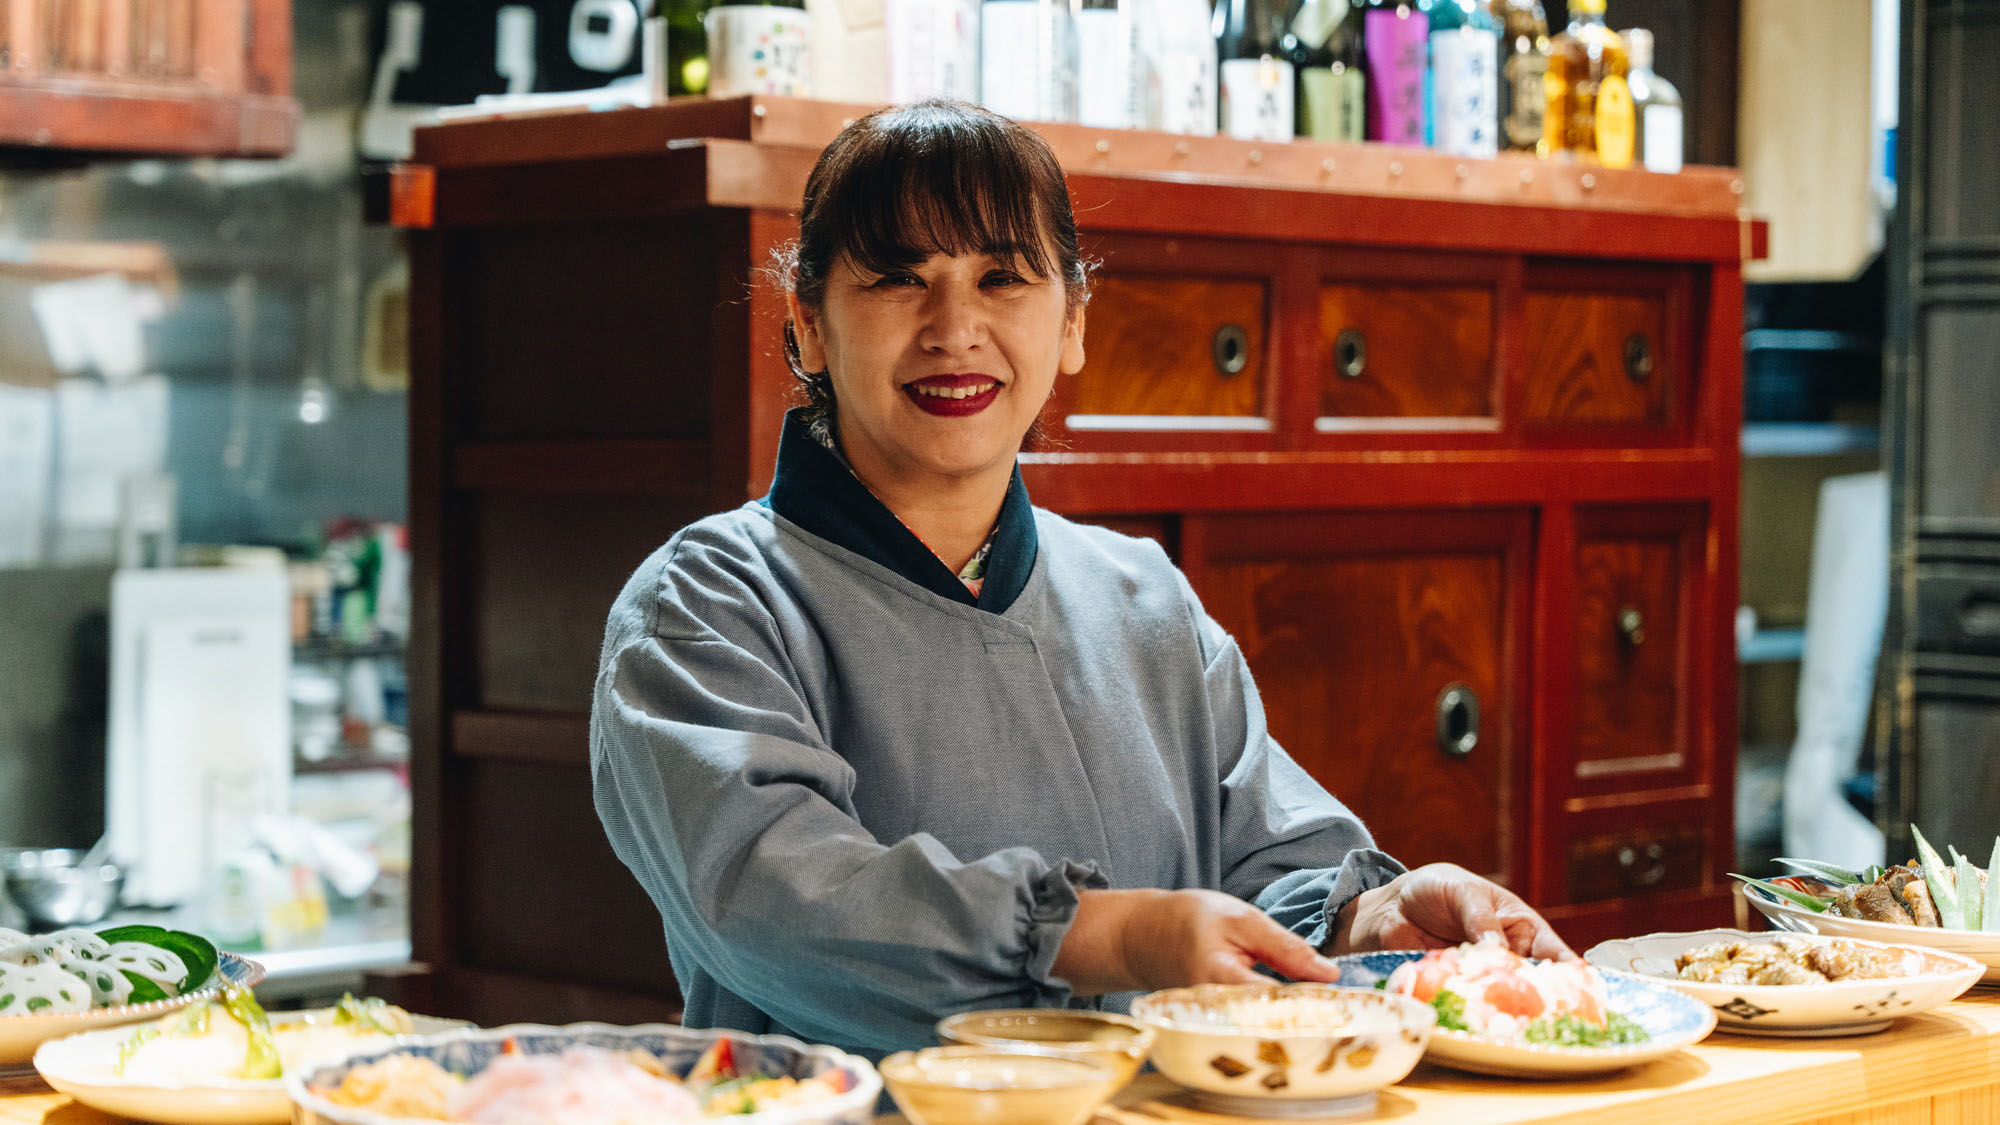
[(1816, 905), (1831, 872), (1566, 1030), (1943, 895)]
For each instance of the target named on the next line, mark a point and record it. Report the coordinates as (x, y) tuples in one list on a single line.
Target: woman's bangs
[(936, 202)]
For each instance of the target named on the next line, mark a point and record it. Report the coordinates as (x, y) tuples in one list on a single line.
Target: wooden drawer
[(1386, 650), (1170, 346), (1404, 351), (1636, 861), (1635, 577), (1602, 348)]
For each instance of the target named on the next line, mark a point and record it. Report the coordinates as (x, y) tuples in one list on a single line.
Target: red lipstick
[(924, 393)]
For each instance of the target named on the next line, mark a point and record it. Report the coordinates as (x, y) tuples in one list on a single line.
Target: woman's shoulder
[(722, 558), (1091, 544)]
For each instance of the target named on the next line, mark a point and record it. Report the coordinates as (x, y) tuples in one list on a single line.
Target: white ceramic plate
[(467, 1052), (20, 1035), (1981, 947), (1671, 1020), (1848, 1007), (81, 1066)]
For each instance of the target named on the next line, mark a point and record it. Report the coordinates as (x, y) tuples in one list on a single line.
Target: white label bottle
[(1027, 59)]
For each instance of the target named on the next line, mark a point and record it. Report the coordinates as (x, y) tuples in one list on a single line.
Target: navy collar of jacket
[(815, 490)]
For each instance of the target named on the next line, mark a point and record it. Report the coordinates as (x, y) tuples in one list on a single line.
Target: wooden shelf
[(600, 467), (77, 117)]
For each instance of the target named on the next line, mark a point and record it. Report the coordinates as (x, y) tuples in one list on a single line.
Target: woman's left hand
[(1441, 905)]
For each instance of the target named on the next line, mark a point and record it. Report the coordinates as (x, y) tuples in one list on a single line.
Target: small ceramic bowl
[(1285, 1050), (986, 1085), (1120, 1042)]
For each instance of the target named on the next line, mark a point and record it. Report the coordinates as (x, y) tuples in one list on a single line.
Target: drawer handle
[(1230, 349), (1650, 873), (1350, 353), (1638, 357), (1979, 616), (1457, 720), (1631, 627)]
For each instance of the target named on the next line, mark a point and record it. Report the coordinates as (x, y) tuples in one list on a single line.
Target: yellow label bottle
[(1615, 124)]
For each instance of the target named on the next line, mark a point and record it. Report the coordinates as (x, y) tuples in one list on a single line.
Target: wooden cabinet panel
[(1176, 346), (1646, 860), (534, 827), (1597, 358), (569, 330), (549, 567), (1634, 574), (1384, 649), (1405, 351)]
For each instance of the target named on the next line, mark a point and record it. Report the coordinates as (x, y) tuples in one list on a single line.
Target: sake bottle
[(1252, 42), (1465, 78), (1396, 35), (1332, 86), (1027, 59), (1110, 93), (1178, 58)]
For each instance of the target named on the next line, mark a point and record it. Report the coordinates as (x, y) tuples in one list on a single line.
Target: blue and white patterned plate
[(1671, 1021), (467, 1053)]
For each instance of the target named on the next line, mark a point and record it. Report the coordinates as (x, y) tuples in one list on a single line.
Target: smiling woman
[(891, 742)]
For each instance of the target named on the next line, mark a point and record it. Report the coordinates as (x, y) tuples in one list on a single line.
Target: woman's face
[(938, 370)]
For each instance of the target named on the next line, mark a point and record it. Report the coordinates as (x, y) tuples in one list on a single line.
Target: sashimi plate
[(1671, 1021)]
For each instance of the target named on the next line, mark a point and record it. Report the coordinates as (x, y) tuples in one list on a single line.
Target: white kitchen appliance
[(200, 737)]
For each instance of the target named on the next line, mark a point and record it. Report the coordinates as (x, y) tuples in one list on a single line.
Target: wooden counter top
[(1943, 1066)]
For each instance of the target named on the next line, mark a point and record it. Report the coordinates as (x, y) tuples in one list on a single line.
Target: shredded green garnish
[(1451, 1010), (1569, 1031)]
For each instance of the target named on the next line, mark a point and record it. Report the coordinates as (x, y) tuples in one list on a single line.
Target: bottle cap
[(1638, 47)]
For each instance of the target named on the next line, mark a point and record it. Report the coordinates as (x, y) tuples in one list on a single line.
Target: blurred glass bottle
[(932, 47), (1656, 107), (1589, 104), (1027, 59), (759, 48), (1253, 42), (1396, 35), (1465, 78), (1178, 60), (687, 46), (1524, 55), (1332, 85), (1110, 88)]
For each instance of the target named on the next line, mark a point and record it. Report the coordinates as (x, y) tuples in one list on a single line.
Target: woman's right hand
[(1145, 940)]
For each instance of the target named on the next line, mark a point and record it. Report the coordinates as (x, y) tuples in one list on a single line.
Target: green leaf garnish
[(260, 1058), (1831, 872), (144, 991), (1816, 905)]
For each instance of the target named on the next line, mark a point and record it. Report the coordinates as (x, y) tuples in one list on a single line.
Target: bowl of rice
[(1285, 1050)]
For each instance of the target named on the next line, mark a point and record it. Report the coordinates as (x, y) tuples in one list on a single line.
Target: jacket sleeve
[(716, 789), (1287, 844)]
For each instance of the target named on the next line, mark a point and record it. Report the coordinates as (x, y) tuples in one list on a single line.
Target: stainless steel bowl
[(53, 892)]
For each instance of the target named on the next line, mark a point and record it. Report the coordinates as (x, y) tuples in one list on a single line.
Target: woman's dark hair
[(936, 177)]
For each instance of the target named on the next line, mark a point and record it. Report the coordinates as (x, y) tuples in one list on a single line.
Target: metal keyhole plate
[(1457, 720), (1350, 353), (1231, 349)]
